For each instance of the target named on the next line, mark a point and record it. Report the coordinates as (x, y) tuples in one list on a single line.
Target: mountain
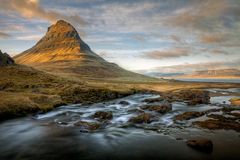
[(163, 75), (5, 59), (221, 73), (61, 51)]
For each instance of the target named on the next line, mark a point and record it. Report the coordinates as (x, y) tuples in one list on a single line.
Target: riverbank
[(24, 90)]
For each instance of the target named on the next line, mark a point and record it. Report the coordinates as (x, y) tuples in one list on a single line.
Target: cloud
[(218, 51), (206, 15), (176, 38), (30, 37), (4, 35), (163, 54), (31, 9), (213, 38)]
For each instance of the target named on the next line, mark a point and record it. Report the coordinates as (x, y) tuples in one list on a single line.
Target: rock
[(103, 115), (87, 126), (5, 59), (235, 101), (214, 124), (188, 115), (125, 103), (221, 117), (204, 145), (153, 100), (192, 97), (163, 108), (142, 118)]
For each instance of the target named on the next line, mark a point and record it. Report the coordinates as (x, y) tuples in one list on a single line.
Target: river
[(52, 135)]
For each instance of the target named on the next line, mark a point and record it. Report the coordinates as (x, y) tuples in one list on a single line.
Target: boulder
[(188, 115), (142, 118), (162, 108), (204, 145), (214, 124), (192, 97), (102, 115), (153, 100)]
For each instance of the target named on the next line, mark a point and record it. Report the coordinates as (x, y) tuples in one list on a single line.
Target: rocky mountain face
[(61, 51), (5, 59), (61, 42)]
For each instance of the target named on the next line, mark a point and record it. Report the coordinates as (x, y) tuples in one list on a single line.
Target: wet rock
[(235, 101), (179, 138), (204, 145), (188, 115), (87, 126), (125, 103), (221, 117), (214, 124), (235, 114), (153, 100), (192, 97), (163, 108), (102, 115), (142, 118)]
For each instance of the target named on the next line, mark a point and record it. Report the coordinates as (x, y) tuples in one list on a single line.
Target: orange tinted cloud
[(32, 9), (212, 38), (171, 53)]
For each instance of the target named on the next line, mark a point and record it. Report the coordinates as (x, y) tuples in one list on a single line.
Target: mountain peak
[(61, 42), (62, 26)]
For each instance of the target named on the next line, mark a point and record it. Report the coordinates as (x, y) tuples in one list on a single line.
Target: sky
[(167, 36)]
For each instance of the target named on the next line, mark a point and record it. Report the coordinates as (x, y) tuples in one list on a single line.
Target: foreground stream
[(53, 135)]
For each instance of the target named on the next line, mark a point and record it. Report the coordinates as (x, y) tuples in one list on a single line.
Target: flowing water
[(53, 135)]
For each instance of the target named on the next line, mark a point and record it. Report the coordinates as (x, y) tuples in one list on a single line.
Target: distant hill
[(163, 75), (61, 51), (221, 73), (5, 59)]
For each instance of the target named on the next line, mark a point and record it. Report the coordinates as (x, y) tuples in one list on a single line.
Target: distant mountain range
[(61, 51), (220, 73)]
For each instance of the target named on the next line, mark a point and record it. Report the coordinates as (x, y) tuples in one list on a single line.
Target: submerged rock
[(103, 115), (142, 118), (163, 108), (188, 115), (204, 145), (125, 103)]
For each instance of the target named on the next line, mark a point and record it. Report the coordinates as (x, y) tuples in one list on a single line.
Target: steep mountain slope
[(61, 51)]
